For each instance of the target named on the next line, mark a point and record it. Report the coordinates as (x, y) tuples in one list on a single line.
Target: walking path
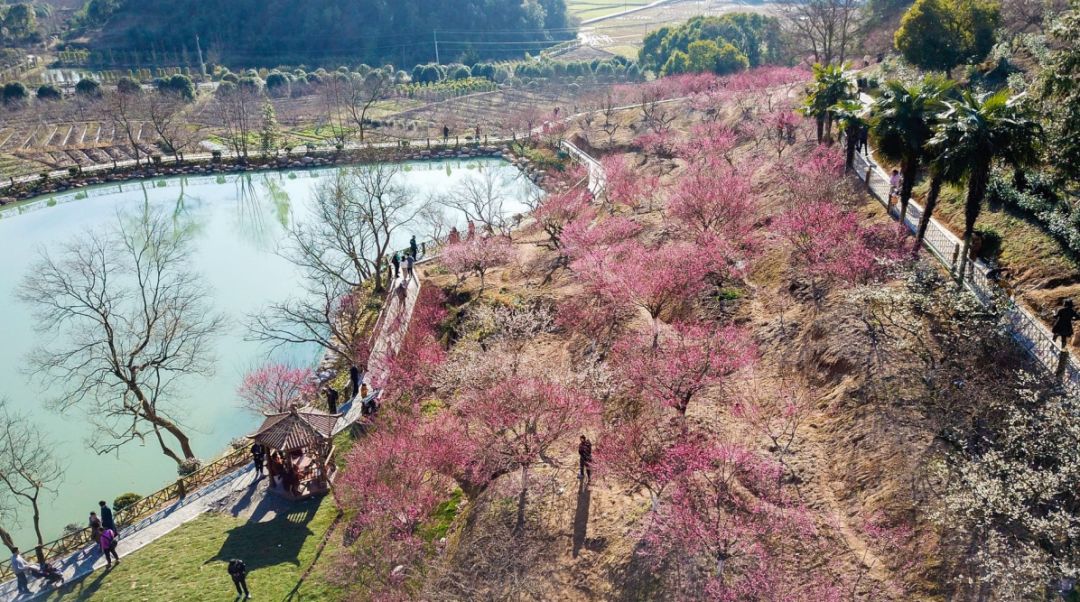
[(387, 337), (134, 537), (1026, 329)]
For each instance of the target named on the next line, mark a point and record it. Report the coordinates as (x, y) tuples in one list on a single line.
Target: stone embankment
[(206, 166)]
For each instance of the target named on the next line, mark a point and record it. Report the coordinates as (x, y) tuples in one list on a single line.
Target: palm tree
[(973, 132), (850, 119), (832, 84), (937, 180), (902, 123)]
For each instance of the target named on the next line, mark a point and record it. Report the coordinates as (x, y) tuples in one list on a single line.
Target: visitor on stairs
[(410, 261), (413, 248), (354, 379), (331, 400), (397, 264)]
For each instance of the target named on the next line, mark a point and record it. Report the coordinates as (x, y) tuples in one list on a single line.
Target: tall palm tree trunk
[(980, 176), (910, 169), (936, 182), (820, 129), (850, 138)]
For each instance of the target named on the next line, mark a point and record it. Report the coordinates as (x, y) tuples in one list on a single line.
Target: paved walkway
[(80, 564), (388, 335)]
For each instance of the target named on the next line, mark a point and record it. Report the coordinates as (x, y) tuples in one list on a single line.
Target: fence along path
[(1028, 331)]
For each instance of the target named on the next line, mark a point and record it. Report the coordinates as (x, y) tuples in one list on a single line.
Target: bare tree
[(480, 198), (125, 322), (333, 97), (28, 470), (362, 93), (611, 125), (356, 214), (328, 314), (238, 109), (126, 111), (824, 28), (168, 116)]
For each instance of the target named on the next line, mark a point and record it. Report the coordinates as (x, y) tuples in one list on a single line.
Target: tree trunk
[(5, 537), (972, 206), (519, 528), (820, 129), (164, 423), (850, 163), (928, 211), (910, 170)]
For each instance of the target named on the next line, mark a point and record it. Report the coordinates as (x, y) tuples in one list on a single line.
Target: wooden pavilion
[(298, 446)]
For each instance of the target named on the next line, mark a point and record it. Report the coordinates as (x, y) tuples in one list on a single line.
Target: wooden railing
[(130, 515)]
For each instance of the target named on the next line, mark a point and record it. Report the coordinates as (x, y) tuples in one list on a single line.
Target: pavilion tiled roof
[(297, 428)]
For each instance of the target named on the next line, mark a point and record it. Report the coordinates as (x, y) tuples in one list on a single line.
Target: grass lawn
[(189, 563), (591, 9)]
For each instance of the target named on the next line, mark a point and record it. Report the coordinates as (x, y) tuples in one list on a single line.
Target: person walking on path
[(445, 133), (864, 138), (584, 451), (895, 182), (20, 567), (1063, 320), (238, 571), (107, 541), (354, 380), (331, 400), (410, 261), (106, 516), (397, 264), (413, 247), (258, 457), (477, 133)]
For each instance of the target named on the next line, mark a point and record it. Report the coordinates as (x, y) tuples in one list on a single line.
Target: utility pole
[(198, 49), (436, 34)]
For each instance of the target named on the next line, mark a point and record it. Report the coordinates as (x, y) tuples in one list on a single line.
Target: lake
[(240, 221)]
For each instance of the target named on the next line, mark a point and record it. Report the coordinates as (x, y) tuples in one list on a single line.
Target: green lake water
[(240, 221)]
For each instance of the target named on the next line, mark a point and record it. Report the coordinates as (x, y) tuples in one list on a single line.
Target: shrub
[(49, 92), (127, 85), (1054, 215), (125, 500), (15, 93), (74, 170), (88, 87), (991, 242)]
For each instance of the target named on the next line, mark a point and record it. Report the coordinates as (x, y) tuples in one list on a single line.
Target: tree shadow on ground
[(262, 543), (581, 516), (80, 589)]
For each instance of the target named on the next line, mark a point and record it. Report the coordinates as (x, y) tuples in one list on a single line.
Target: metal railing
[(1029, 332), (597, 177), (130, 515)]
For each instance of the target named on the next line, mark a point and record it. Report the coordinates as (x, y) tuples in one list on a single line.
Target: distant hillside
[(320, 32)]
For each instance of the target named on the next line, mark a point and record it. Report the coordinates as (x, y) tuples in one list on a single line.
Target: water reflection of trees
[(263, 205)]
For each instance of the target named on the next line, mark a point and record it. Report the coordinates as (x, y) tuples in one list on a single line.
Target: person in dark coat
[(238, 571), (354, 380), (584, 451), (106, 516), (95, 526), (331, 400), (1063, 320), (396, 260), (414, 248), (864, 139), (258, 456), (445, 133), (454, 237)]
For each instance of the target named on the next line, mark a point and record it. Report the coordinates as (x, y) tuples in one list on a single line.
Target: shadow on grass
[(82, 589), (271, 542)]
